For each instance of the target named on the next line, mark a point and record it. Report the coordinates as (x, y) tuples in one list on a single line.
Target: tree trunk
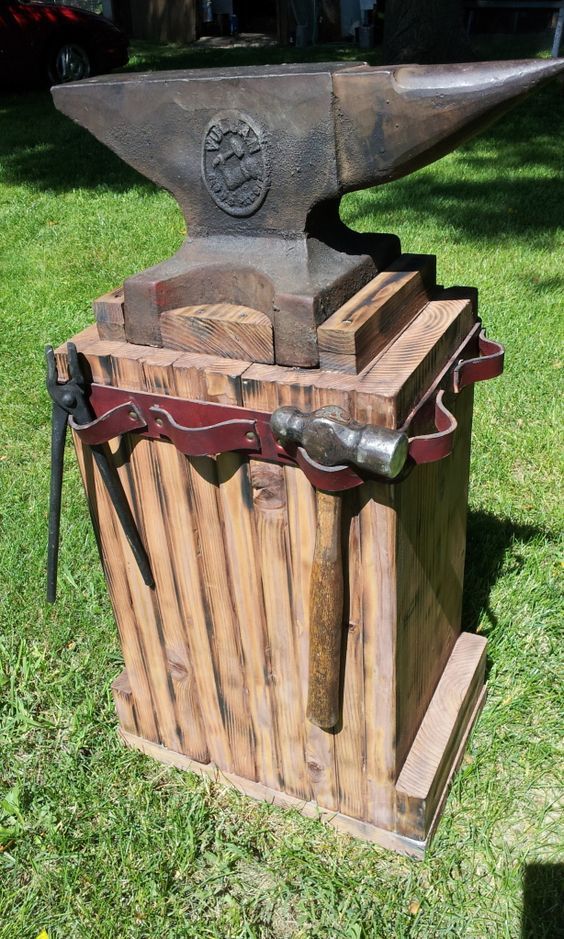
[(418, 31)]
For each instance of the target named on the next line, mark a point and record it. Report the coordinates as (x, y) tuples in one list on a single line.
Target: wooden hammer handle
[(326, 613)]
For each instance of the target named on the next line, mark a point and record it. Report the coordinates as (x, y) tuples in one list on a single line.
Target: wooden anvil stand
[(272, 302), (216, 655)]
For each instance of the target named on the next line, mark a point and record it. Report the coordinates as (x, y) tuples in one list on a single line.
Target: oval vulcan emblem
[(235, 163)]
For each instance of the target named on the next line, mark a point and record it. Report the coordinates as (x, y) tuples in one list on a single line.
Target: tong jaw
[(70, 400), (70, 395)]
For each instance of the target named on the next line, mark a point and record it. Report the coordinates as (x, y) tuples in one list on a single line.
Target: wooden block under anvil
[(216, 655)]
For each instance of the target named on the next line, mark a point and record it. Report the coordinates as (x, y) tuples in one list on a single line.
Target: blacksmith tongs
[(70, 400)]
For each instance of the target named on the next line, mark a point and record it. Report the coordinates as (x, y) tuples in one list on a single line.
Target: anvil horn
[(394, 121)]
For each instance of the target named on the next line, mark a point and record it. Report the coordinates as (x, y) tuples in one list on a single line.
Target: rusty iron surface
[(258, 159)]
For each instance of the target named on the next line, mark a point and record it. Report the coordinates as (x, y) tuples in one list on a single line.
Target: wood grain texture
[(378, 529), (302, 524), (387, 391), (226, 329), (212, 571), (355, 334), (426, 769), (217, 657), (326, 613), (108, 310), (124, 703)]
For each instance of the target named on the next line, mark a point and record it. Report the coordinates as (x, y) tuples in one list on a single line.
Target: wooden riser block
[(225, 329), (357, 332), (108, 311)]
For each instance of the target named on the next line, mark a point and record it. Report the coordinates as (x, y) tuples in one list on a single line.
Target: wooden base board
[(352, 826), (447, 757)]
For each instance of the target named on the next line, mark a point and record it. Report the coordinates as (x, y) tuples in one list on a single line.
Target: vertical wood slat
[(220, 382), (122, 580), (184, 547), (124, 703), (379, 615), (213, 570), (174, 613), (121, 571), (139, 478), (302, 521), (273, 549), (350, 741)]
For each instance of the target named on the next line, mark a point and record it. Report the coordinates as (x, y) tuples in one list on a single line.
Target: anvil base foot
[(299, 283)]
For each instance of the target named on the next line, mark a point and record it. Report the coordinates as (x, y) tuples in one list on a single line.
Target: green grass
[(98, 841)]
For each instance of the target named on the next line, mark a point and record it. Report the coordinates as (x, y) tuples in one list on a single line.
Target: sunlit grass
[(99, 841)]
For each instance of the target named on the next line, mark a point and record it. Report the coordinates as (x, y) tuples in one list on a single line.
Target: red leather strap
[(115, 422), (489, 364), (428, 448), (199, 428)]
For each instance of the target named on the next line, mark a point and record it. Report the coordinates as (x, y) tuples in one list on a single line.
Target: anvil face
[(258, 159), (242, 150)]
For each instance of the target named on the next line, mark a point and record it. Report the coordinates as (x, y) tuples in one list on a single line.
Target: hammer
[(330, 437)]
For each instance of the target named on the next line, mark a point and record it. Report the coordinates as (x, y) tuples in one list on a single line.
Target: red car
[(47, 42)]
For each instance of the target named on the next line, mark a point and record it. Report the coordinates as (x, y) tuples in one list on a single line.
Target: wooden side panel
[(226, 329), (426, 769), (302, 520), (431, 510)]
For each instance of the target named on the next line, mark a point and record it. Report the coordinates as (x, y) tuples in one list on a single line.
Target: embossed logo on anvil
[(235, 164)]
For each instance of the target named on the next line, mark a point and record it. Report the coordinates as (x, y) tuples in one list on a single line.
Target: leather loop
[(119, 420), (329, 478), (428, 448), (488, 365), (206, 441)]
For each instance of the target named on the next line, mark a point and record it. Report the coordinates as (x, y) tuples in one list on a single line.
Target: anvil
[(258, 159)]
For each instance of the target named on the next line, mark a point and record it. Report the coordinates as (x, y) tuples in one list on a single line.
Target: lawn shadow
[(543, 901), (489, 541), (42, 149)]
